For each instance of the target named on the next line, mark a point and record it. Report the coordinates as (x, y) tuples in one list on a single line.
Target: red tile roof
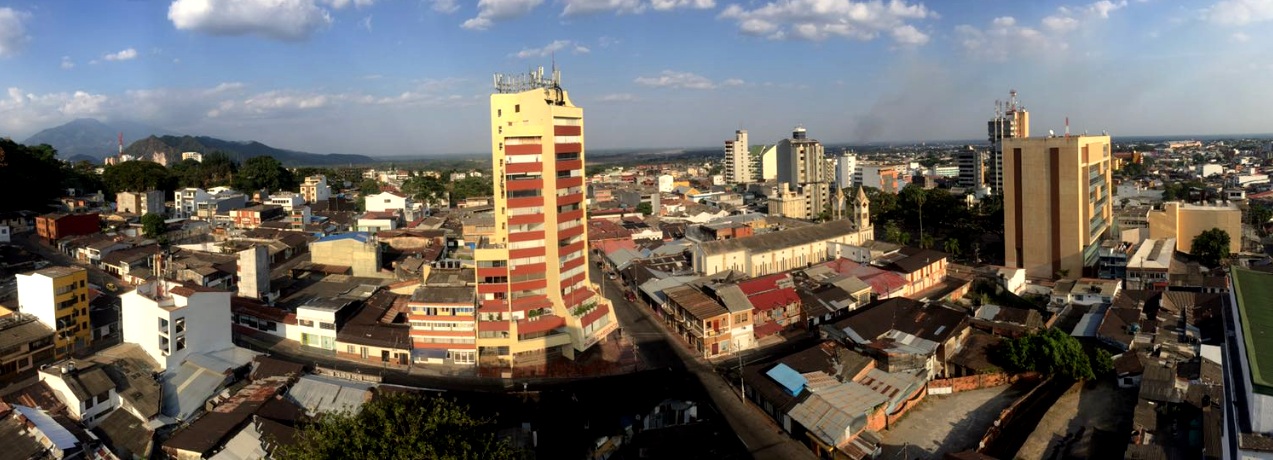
[(765, 283), (777, 298), (609, 246), (768, 329)]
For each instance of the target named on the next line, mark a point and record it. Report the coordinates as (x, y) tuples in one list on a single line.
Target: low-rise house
[(377, 331), (444, 324), (1007, 321), (701, 320), (252, 217), (1119, 327), (53, 227), (922, 268), (904, 335), (775, 302), (25, 344), (85, 389), (378, 221), (1086, 291), (53, 436)]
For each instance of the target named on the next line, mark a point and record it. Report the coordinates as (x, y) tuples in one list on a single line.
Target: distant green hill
[(173, 146), (91, 139)]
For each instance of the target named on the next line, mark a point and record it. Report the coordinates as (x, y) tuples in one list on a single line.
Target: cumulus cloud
[(683, 80), (617, 97), (13, 34), (546, 50), (123, 55), (23, 112), (290, 20), (445, 6), (490, 11), (823, 19), (733, 82), (67, 63), (1240, 12), (580, 7), (1240, 37), (1005, 37)]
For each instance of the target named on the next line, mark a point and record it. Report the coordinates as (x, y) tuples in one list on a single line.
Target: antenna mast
[(121, 142)]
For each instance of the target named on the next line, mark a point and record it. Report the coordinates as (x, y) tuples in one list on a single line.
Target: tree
[(30, 174), (645, 208), (369, 187), (1211, 247), (136, 176), (152, 225), (1050, 352), (472, 186), (926, 241), (398, 426), (264, 172), (1102, 362), (425, 189), (951, 246), (1258, 215)]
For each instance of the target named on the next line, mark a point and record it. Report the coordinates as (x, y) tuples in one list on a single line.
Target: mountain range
[(92, 140)]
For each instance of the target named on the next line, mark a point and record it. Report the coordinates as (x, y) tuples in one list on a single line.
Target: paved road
[(31, 242), (660, 347)]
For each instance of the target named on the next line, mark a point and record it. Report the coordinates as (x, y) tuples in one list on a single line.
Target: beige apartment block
[(1056, 203), (358, 251), (1184, 222)]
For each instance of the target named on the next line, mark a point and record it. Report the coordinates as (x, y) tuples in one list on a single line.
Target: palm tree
[(925, 241), (904, 238), (952, 246)]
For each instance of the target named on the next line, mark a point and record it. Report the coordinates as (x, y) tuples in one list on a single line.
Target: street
[(658, 346)]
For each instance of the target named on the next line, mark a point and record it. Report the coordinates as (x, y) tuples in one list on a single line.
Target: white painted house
[(170, 321), (390, 201), (89, 394)]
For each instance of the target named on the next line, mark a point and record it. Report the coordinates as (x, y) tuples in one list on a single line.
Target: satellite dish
[(1051, 133)]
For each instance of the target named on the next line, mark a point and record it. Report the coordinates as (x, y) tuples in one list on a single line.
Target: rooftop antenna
[(121, 142), (1067, 127), (1012, 100)]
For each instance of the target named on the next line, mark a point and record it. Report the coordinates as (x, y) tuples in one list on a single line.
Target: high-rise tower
[(738, 164), (803, 164), (1011, 120), (534, 296)]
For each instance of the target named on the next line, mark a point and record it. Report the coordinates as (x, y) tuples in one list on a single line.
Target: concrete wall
[(362, 258)]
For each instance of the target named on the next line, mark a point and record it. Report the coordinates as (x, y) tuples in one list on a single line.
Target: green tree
[(263, 172), (951, 246), (926, 241), (472, 186), (152, 225), (1051, 352), (136, 176), (396, 426), (31, 174), (369, 187), (1211, 247), (425, 189), (1258, 215), (1102, 362), (645, 208)]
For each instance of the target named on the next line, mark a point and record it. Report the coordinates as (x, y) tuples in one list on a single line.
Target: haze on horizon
[(412, 78)]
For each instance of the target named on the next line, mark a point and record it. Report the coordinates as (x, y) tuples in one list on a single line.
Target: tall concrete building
[(764, 162), (738, 164), (802, 162), (534, 296), (1011, 121), (58, 296), (845, 165), (972, 168), (1057, 202)]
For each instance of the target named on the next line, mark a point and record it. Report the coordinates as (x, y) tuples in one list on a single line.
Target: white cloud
[(445, 6), (1240, 37), (123, 55), (617, 97), (1240, 12), (549, 49), (341, 4), (579, 7), (279, 19), (681, 80), (489, 11), (1006, 38), (24, 112), (13, 34), (665, 5), (823, 19), (67, 63), (733, 82)]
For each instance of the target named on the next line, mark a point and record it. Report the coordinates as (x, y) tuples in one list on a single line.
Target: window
[(181, 343), (517, 108), (499, 112), (328, 326), (180, 325), (163, 325), (305, 323)]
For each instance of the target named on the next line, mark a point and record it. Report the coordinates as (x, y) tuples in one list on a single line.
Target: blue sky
[(386, 77)]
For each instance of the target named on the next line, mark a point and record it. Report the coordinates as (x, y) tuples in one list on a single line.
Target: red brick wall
[(906, 406), (979, 381)]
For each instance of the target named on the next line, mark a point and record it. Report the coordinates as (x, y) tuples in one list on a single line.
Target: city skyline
[(413, 78)]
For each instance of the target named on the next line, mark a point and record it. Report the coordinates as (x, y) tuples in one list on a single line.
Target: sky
[(413, 78)]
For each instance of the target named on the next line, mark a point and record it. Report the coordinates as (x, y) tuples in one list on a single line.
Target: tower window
[(499, 112), (517, 108)]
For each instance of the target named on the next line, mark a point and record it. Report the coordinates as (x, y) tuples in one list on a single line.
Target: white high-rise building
[(738, 164), (845, 165)]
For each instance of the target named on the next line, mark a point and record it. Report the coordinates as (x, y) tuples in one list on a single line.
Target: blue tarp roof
[(360, 236), (790, 380)]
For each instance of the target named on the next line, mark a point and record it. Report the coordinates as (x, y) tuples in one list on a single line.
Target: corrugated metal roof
[(245, 445), (360, 237), (317, 394), (790, 380), (57, 434), (833, 414), (188, 388)]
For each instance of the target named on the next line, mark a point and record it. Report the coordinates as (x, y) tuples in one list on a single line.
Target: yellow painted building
[(1184, 222), (535, 299), (58, 296), (1057, 202)]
